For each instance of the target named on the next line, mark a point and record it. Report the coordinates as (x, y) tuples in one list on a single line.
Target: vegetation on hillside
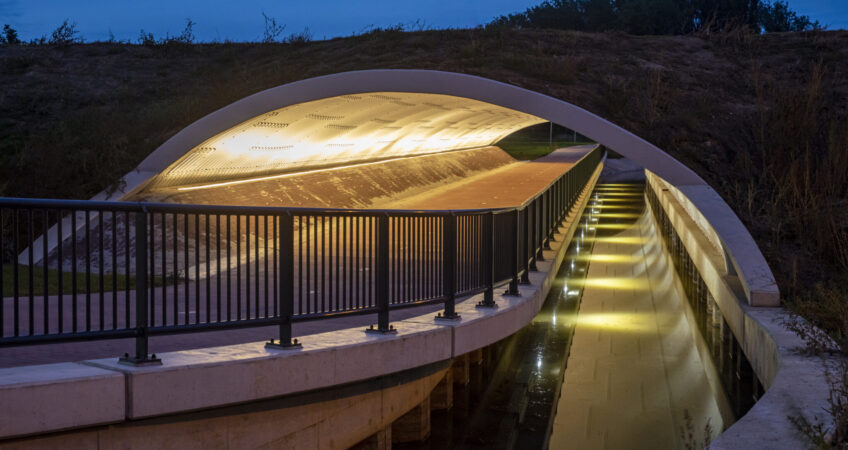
[(660, 16)]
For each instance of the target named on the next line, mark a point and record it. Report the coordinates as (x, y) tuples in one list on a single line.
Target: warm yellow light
[(625, 240), (304, 172), (618, 215), (624, 322), (342, 130), (608, 226), (614, 258), (604, 206), (612, 283), (606, 200)]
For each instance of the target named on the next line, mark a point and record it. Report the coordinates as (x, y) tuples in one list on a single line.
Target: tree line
[(660, 16)]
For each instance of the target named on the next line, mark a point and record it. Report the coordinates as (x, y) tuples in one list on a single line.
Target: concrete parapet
[(58, 396), (795, 383)]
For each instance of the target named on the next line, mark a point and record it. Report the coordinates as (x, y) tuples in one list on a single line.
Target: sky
[(218, 20)]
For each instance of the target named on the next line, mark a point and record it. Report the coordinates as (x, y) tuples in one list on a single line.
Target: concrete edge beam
[(59, 396)]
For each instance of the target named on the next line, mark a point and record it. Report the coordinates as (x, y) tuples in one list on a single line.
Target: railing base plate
[(491, 305), (445, 318), (277, 346), (372, 330), (151, 360)]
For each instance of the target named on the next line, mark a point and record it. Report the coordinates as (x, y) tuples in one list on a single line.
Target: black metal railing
[(82, 270)]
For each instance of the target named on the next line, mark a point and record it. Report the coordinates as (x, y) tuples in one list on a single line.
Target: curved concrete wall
[(736, 242), (794, 382)]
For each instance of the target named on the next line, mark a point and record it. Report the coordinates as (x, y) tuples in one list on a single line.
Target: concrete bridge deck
[(507, 186)]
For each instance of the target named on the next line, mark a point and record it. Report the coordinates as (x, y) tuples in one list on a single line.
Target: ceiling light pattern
[(343, 130)]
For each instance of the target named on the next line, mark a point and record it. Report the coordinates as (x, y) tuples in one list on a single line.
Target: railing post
[(449, 268), (381, 291), (488, 261), (141, 358), (533, 233), (550, 224), (514, 256), (285, 280), (526, 264)]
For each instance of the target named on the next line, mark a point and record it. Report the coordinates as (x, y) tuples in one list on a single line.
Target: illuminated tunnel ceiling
[(343, 130)]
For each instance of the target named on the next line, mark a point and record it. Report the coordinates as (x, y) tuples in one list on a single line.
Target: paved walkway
[(507, 186), (634, 372)]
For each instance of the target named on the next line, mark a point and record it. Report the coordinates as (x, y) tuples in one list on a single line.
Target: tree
[(9, 36), (600, 15), (777, 17), (654, 16), (659, 16)]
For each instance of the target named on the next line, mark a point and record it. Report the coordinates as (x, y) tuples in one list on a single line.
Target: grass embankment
[(525, 151), (67, 281)]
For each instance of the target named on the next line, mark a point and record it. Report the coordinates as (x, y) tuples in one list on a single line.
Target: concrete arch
[(743, 256)]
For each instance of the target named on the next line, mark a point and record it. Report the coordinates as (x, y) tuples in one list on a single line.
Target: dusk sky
[(242, 20)]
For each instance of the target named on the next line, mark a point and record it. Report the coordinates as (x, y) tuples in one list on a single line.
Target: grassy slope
[(762, 118), (8, 275)]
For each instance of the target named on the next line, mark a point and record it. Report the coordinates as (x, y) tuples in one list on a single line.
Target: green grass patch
[(528, 150), (67, 280)]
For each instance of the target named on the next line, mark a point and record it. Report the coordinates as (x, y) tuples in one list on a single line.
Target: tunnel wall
[(357, 186)]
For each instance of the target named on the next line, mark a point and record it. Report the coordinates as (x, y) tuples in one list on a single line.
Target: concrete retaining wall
[(795, 383)]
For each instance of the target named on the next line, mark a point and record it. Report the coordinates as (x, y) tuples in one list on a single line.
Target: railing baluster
[(100, 266), (449, 249), (488, 260), (141, 351), (44, 266), (115, 271), (265, 262), (382, 276), (175, 269), (87, 271), (285, 301)]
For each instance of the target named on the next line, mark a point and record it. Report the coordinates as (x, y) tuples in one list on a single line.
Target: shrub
[(272, 29), (65, 34)]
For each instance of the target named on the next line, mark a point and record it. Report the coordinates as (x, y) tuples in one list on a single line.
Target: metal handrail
[(134, 269)]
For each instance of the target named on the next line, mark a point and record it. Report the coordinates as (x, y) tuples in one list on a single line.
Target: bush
[(145, 38), (186, 36), (304, 37), (272, 30), (65, 34)]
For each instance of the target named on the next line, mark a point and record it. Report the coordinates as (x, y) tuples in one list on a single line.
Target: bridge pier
[(442, 396), (381, 440), (414, 426)]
